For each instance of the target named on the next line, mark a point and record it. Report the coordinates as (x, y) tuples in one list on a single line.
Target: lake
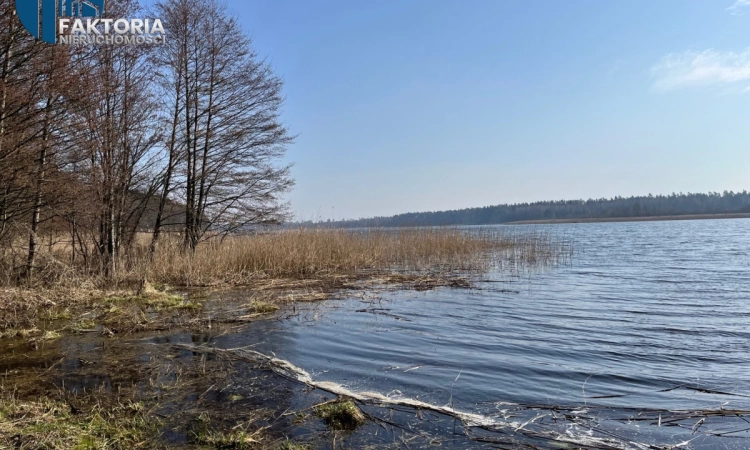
[(649, 317)]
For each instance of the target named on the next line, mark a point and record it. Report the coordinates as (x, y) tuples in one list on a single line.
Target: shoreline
[(136, 359), (95, 362), (633, 219)]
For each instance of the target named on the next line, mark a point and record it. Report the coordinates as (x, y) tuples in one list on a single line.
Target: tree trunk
[(37, 208)]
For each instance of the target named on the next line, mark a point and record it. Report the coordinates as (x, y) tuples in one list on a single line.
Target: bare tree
[(18, 85), (52, 107), (117, 131), (225, 136), (93, 137), (31, 103)]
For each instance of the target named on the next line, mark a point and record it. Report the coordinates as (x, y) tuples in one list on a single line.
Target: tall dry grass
[(308, 253), (304, 253), (304, 263)]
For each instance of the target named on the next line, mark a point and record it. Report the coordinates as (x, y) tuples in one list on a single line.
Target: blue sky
[(420, 105)]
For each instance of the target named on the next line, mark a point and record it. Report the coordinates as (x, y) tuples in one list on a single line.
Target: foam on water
[(573, 434)]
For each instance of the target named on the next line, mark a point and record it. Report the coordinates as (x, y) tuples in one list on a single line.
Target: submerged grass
[(158, 301)]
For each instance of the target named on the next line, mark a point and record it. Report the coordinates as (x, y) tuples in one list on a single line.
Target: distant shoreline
[(633, 219)]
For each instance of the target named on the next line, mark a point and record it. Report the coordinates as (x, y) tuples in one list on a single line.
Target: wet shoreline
[(202, 394)]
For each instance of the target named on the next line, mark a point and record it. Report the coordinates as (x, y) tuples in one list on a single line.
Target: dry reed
[(299, 254), (316, 253), (304, 264)]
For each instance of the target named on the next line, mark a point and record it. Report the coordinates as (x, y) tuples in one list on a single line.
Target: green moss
[(85, 324), (50, 336), (64, 314), (263, 307), (341, 415), (169, 302)]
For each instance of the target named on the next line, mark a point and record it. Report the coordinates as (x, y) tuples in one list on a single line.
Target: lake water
[(649, 323)]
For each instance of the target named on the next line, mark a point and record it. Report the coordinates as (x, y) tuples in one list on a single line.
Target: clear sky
[(423, 105)]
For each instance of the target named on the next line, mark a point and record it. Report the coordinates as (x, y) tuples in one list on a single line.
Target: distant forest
[(617, 207)]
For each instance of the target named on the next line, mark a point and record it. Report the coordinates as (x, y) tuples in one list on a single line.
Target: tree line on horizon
[(726, 202), (101, 142)]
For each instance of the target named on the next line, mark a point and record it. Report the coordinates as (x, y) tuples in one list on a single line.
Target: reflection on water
[(648, 325)]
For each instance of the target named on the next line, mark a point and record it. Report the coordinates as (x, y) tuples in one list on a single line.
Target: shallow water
[(650, 316)]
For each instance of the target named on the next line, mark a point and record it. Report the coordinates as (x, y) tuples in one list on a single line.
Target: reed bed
[(297, 254), (316, 253), (277, 266)]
